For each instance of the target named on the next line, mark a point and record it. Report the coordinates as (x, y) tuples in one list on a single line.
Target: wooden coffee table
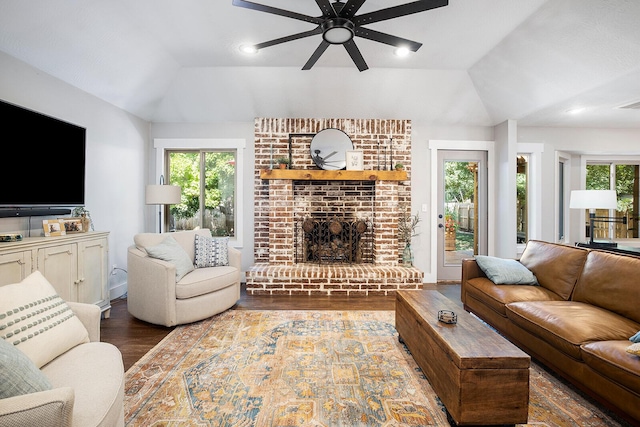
[(480, 377)]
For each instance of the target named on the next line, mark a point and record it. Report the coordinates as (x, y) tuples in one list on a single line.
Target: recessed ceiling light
[(576, 110), (248, 48), (401, 52)]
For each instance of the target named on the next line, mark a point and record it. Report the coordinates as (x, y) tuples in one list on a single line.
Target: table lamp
[(592, 200)]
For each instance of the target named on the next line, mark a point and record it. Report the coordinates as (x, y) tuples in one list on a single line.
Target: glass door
[(462, 210)]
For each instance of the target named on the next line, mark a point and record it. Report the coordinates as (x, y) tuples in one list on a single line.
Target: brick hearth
[(280, 202), (361, 279)]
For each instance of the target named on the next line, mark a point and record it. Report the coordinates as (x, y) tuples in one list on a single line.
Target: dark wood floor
[(135, 338)]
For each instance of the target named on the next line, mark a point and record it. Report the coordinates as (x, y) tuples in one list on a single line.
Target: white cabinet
[(14, 266), (75, 264)]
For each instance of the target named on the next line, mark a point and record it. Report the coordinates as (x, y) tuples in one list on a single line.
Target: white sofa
[(156, 295), (87, 385)]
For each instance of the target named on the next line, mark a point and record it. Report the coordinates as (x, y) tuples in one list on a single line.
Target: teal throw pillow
[(18, 374), (635, 338), (211, 251), (502, 271), (171, 251)]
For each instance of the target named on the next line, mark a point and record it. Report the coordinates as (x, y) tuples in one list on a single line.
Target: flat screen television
[(43, 160)]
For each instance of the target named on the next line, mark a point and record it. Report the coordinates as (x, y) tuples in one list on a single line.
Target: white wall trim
[(161, 145), (434, 146), (534, 150)]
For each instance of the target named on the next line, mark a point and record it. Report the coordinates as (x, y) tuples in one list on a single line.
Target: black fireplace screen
[(333, 240)]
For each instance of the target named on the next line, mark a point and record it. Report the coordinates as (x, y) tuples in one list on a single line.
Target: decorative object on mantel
[(407, 226), (329, 149), (82, 212), (355, 160), (399, 166), (283, 162)]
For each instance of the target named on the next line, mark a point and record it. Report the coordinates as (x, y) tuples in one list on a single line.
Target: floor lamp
[(592, 200), (162, 195)]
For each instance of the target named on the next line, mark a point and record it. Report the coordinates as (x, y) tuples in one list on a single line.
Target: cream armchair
[(157, 296), (87, 381)]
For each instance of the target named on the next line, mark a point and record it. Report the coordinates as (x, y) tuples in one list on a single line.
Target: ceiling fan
[(339, 24)]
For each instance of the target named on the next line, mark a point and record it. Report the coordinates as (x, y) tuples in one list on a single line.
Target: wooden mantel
[(333, 175)]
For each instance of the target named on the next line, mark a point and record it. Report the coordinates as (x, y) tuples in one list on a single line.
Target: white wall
[(116, 157)]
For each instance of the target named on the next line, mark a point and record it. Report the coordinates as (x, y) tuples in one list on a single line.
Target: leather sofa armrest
[(470, 270), (89, 315), (45, 408)]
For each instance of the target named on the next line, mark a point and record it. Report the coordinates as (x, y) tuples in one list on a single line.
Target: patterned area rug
[(306, 368)]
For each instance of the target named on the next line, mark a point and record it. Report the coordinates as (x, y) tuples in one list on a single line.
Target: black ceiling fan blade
[(397, 11), (292, 37), (327, 8), (276, 11), (385, 38), (316, 55), (350, 9), (355, 54)]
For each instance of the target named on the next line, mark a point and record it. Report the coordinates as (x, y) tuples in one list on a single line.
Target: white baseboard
[(118, 291)]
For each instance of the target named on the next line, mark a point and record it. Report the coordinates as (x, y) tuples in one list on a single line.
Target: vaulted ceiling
[(482, 61)]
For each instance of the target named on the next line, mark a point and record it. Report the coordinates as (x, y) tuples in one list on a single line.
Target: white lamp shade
[(593, 199), (163, 194)]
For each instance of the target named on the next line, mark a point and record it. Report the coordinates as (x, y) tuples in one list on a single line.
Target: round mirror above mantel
[(329, 149)]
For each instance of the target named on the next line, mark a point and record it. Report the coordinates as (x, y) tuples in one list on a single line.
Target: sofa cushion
[(557, 267), (37, 321), (496, 297), (206, 280), (185, 238), (211, 251), (634, 349), (610, 280), (610, 360), (96, 373), (169, 250), (505, 271), (566, 325), (18, 374)]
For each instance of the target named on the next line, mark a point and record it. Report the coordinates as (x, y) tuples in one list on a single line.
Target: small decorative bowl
[(447, 316)]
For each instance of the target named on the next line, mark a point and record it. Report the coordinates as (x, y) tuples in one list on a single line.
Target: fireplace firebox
[(333, 240)]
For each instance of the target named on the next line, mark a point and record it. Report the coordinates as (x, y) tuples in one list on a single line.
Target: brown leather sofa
[(577, 322)]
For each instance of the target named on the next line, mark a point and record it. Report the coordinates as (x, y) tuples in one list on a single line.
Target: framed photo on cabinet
[(73, 225), (53, 227)]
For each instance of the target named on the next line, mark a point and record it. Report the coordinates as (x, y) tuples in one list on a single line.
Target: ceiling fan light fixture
[(248, 48), (401, 51), (338, 30)]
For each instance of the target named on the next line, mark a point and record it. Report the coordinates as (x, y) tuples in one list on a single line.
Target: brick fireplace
[(283, 199)]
